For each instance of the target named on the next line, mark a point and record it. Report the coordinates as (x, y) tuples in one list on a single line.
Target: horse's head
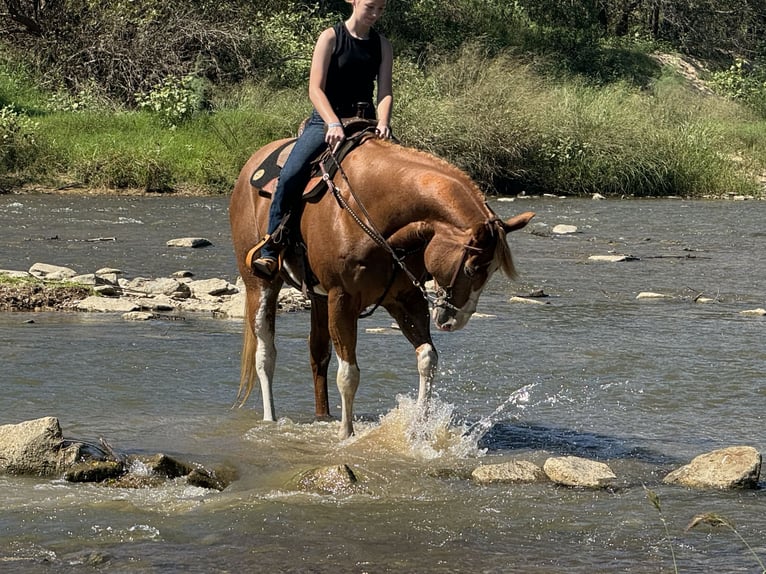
[(462, 263)]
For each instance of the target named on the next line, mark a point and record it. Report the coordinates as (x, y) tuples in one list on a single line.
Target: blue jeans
[(294, 177)]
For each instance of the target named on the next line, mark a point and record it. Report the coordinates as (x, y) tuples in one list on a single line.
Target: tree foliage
[(127, 47)]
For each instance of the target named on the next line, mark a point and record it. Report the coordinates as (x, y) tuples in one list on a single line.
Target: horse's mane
[(435, 162), (502, 251)]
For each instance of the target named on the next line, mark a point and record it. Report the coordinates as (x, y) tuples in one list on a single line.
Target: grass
[(708, 518), (509, 124)]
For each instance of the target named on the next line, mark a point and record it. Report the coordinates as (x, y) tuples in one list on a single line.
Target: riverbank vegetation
[(596, 96)]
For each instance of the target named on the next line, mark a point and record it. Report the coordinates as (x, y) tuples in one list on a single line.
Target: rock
[(52, 272), (14, 274), (138, 316), (612, 258), (94, 471), (732, 467), (651, 295), (161, 286), (598, 196), (328, 480), (107, 305), (212, 287), (760, 312), (234, 308), (540, 229), (215, 480), (160, 464), (182, 274), (562, 229), (508, 472), (576, 471), (36, 447), (109, 271), (528, 301), (193, 242), (108, 290)]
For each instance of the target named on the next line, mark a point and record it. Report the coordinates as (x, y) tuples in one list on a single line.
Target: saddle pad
[(265, 176)]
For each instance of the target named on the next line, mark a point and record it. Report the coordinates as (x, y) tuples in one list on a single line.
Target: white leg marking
[(348, 381), (265, 355), (427, 362)]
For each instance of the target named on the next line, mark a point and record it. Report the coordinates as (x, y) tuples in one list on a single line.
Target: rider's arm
[(320, 63), (385, 90)]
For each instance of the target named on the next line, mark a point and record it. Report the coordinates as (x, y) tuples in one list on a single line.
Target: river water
[(643, 385)]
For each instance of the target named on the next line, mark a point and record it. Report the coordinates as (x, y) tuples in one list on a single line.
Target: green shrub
[(175, 100), (745, 82), (18, 139)]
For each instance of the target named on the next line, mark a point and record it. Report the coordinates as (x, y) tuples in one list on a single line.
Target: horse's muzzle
[(449, 318)]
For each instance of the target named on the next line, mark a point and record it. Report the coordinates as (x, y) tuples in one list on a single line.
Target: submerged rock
[(732, 467), (338, 479), (509, 472), (94, 471), (576, 471)]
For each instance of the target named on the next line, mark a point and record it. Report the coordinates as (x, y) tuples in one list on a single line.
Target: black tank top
[(353, 69)]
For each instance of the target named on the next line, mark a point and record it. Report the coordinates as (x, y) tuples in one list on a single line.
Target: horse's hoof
[(266, 268)]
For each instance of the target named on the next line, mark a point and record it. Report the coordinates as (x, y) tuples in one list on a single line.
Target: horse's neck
[(428, 189)]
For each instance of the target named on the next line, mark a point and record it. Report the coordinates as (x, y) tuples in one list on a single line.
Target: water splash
[(408, 429), (519, 399)]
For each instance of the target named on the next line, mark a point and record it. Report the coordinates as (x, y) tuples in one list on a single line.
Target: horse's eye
[(470, 270)]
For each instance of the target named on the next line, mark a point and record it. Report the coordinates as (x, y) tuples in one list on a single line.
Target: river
[(643, 385)]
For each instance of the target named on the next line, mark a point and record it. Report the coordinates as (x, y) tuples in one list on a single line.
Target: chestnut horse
[(400, 217)]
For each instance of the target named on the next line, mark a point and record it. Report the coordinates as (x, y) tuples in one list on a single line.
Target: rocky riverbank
[(53, 288)]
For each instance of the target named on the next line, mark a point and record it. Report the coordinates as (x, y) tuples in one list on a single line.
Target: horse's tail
[(247, 376)]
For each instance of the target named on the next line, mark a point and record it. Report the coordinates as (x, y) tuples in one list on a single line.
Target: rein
[(439, 299)]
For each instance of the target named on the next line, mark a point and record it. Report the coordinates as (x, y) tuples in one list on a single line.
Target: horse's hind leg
[(319, 349), (263, 322)]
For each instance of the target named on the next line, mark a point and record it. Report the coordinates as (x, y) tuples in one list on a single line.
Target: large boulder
[(732, 467), (36, 447)]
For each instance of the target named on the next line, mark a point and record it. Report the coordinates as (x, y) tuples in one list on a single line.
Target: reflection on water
[(594, 372)]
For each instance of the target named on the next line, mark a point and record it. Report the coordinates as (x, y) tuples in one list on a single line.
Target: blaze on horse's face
[(461, 267)]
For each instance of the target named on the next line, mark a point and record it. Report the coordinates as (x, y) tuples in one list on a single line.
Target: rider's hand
[(384, 131), (334, 135)]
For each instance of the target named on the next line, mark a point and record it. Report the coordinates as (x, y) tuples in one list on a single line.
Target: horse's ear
[(517, 222)]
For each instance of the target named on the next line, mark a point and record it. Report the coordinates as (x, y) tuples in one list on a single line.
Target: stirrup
[(255, 251)]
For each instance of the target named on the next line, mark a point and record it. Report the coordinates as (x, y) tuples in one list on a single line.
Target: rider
[(347, 60)]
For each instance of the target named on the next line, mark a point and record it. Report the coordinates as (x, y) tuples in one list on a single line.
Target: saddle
[(265, 176), (264, 180)]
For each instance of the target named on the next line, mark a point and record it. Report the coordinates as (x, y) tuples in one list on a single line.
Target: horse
[(392, 219)]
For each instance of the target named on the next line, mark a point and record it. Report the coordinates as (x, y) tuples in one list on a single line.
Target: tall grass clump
[(144, 150), (515, 130)]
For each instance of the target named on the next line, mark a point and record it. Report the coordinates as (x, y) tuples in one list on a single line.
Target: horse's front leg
[(319, 351), (343, 316), (411, 314)]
